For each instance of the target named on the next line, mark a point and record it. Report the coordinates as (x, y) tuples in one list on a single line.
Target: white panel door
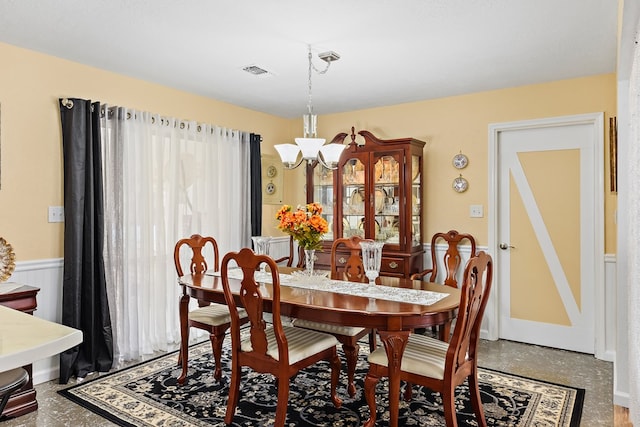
[(549, 230)]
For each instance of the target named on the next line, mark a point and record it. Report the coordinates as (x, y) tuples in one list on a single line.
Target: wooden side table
[(23, 299)]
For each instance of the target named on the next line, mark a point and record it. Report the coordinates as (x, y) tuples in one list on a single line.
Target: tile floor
[(559, 366)]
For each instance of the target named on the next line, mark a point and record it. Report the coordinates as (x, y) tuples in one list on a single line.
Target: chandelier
[(312, 148)]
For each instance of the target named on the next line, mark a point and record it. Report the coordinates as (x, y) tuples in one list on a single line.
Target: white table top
[(25, 338)]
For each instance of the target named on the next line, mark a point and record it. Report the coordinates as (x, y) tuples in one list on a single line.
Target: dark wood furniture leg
[(183, 357), (394, 343)]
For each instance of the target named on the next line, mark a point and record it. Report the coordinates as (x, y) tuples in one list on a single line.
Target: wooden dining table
[(394, 320)]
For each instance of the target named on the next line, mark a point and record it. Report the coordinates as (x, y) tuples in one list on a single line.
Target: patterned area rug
[(148, 395)]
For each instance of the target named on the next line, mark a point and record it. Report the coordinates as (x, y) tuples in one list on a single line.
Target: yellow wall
[(454, 124), (31, 154), (31, 144)]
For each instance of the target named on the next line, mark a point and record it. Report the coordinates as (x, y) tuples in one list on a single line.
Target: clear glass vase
[(309, 260), (371, 259)]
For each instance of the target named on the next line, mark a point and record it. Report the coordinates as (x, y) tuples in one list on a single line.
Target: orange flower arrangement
[(305, 224)]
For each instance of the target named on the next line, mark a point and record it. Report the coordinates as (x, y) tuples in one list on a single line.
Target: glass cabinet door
[(387, 196), (416, 203), (353, 198), (324, 195)]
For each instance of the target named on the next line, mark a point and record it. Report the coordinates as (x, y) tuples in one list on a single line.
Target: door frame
[(596, 120)]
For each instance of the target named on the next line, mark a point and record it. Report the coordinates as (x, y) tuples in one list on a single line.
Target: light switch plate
[(476, 211), (56, 214)]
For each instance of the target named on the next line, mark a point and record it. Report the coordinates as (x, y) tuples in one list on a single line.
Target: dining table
[(394, 306)]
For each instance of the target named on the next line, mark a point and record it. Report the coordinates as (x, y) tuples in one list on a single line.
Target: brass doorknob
[(505, 246)]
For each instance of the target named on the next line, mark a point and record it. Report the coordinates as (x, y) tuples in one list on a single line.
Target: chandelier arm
[(321, 161), (292, 166)]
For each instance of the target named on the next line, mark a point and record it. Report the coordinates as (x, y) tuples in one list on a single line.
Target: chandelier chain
[(312, 67)]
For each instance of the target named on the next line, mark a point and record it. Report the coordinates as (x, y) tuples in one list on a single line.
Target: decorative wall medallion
[(270, 188), (7, 260), (460, 184), (460, 161), (272, 171)]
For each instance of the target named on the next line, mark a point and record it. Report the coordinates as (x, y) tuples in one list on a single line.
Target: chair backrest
[(289, 258), (473, 300), (198, 263), (452, 258), (353, 268), (251, 298)]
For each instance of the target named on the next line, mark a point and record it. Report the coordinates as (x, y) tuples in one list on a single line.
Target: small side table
[(23, 299)]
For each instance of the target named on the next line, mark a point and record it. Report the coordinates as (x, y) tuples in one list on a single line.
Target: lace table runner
[(323, 283)]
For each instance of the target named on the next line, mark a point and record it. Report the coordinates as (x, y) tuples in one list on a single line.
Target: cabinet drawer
[(395, 266)]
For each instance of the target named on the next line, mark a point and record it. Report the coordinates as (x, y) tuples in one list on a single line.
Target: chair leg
[(283, 402), (449, 406), (476, 402), (335, 377), (370, 382), (183, 357), (217, 338), (234, 392), (372, 340), (444, 332), (408, 392), (351, 354)]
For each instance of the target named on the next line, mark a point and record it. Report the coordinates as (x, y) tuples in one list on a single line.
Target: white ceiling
[(391, 51)]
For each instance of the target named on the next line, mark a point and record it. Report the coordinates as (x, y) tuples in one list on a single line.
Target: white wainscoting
[(47, 275)]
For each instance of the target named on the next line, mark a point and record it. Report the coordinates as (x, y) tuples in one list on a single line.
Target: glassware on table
[(371, 259), (261, 247)]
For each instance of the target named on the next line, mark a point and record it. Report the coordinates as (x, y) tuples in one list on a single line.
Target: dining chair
[(290, 258), (452, 262), (213, 318), (438, 365), (10, 382), (270, 348), (351, 269)]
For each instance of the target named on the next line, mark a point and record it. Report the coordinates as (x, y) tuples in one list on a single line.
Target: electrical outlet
[(476, 211), (56, 214)]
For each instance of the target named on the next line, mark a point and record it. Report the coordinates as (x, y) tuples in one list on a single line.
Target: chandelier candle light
[(312, 148), (307, 227)]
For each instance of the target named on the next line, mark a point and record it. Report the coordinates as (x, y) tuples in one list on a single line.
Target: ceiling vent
[(255, 70)]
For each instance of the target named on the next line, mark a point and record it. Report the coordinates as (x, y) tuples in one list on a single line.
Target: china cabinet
[(374, 193)]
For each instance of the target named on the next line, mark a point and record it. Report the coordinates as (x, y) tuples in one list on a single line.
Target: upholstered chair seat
[(214, 314), (423, 356), (350, 331), (301, 343)]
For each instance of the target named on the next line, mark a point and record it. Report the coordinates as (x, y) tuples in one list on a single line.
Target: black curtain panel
[(256, 184), (84, 294)]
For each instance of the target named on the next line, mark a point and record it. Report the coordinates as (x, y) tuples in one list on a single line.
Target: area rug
[(148, 395)]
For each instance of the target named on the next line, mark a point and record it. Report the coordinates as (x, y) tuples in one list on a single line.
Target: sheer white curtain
[(165, 179), (633, 247)]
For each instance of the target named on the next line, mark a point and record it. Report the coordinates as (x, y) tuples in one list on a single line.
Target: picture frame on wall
[(613, 154)]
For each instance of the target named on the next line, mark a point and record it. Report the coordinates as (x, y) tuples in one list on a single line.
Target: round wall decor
[(460, 184), (460, 161), (7, 260)]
